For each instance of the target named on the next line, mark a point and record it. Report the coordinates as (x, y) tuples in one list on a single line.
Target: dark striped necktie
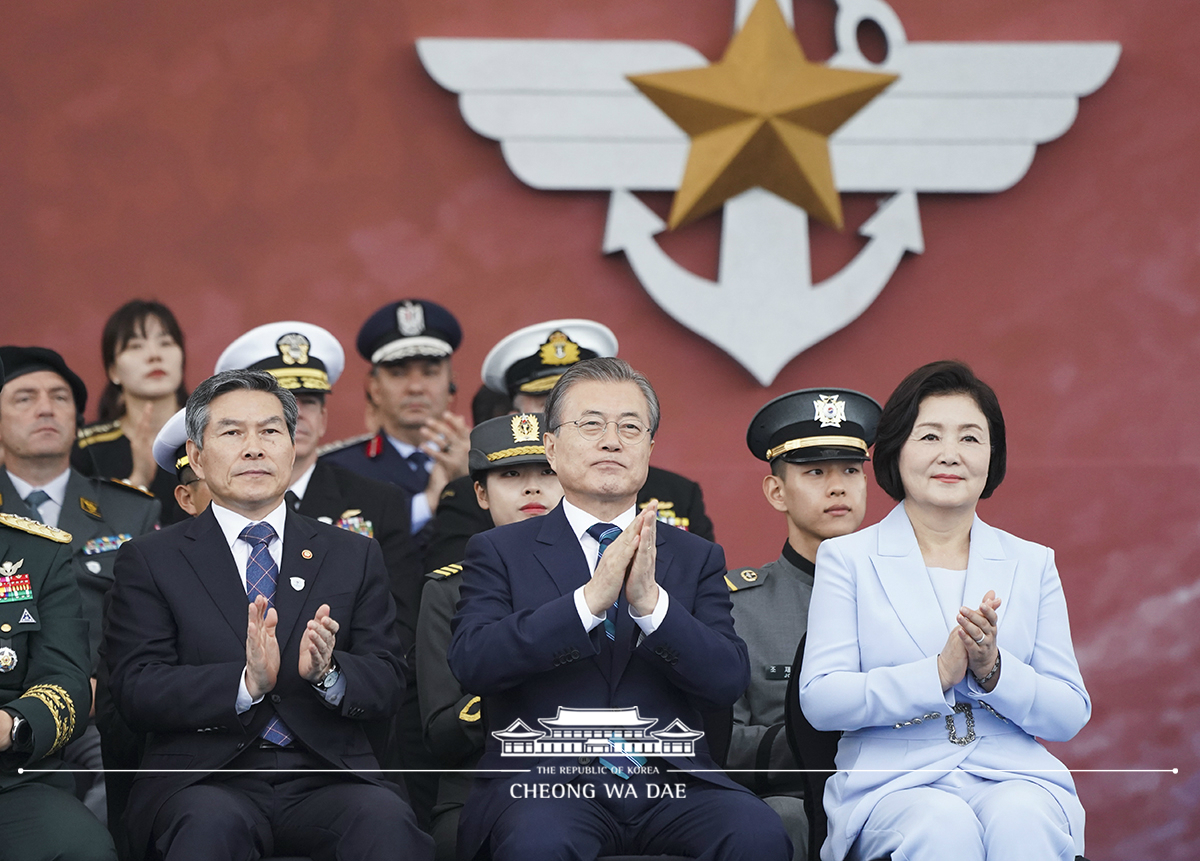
[(606, 534), (261, 576)]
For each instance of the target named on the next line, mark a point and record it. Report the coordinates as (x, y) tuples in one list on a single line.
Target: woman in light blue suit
[(941, 647)]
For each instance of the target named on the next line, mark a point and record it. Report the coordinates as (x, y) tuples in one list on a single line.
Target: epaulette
[(34, 527), (340, 444), (121, 482), (445, 571), (446, 494), (98, 433), (746, 578)]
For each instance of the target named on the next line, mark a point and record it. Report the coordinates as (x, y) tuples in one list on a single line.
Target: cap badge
[(559, 350), (293, 348), (831, 411), (525, 428), (410, 319)]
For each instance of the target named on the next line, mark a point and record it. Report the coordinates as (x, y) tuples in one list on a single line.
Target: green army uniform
[(450, 716), (99, 515), (44, 685)]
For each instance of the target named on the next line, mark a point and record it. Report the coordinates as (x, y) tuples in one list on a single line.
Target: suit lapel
[(987, 568), (319, 497), (627, 629), (82, 526), (299, 537), (904, 577), (10, 500), (559, 552), (212, 562)]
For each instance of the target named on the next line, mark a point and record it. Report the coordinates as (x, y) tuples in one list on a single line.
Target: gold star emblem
[(762, 116)]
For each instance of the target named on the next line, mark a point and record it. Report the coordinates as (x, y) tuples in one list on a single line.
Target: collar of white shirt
[(580, 521), (300, 485), (232, 523), (56, 489)]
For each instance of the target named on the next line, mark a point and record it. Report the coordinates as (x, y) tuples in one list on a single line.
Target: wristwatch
[(22, 733), (329, 679)]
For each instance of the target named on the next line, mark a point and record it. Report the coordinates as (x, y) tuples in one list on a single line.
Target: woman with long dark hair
[(142, 351)]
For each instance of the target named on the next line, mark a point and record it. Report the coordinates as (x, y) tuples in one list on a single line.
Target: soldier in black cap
[(525, 365), (421, 445), (512, 481), (45, 695), (39, 406), (816, 441)]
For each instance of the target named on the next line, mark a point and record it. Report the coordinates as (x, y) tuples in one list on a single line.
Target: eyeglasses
[(629, 430)]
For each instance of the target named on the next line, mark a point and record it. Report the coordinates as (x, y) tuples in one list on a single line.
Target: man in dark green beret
[(39, 405), (45, 696)]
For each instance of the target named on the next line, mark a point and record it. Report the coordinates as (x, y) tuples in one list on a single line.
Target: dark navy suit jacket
[(518, 643), (175, 637)]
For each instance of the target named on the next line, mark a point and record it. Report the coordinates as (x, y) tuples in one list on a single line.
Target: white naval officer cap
[(302, 357), (531, 360), (170, 446)]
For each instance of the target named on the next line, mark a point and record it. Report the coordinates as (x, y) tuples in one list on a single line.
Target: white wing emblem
[(963, 117)]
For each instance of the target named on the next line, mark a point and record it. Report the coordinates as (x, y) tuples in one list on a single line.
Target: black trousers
[(281, 805)]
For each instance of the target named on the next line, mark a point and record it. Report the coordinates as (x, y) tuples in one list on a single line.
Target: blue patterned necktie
[(261, 575), (34, 501), (606, 534)]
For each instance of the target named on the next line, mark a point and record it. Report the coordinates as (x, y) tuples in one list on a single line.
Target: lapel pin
[(93, 566), (307, 554), (90, 508), (27, 618), (298, 582)]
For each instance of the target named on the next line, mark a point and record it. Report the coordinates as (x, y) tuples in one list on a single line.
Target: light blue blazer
[(875, 629)]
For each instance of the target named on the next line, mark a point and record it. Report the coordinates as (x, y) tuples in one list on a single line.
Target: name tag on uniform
[(778, 672)]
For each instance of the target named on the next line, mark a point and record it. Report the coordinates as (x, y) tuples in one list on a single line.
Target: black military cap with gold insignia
[(813, 425), (303, 357), (530, 360), (507, 441)]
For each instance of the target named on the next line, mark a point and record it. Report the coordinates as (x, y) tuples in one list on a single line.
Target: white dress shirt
[(300, 485), (580, 521), (421, 512), (232, 524), (51, 509)]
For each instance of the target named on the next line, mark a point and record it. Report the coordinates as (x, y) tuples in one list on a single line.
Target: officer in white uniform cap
[(308, 360), (170, 453), (526, 365)]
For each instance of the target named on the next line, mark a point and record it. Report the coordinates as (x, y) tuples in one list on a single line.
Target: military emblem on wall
[(771, 139)]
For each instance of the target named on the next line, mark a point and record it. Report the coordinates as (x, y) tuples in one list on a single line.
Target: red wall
[(254, 162)]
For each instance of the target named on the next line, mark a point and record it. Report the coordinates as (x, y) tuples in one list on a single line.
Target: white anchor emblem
[(961, 117)]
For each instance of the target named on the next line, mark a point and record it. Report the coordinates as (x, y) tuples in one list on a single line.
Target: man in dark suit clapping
[(598, 623), (254, 644)]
